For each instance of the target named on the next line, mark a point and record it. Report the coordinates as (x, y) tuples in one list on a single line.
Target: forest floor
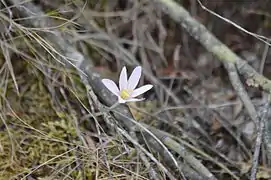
[(54, 116)]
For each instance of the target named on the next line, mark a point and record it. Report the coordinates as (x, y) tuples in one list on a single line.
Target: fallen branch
[(213, 45), (238, 87), (259, 139)]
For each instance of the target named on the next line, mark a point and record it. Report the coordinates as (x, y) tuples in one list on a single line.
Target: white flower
[(127, 87)]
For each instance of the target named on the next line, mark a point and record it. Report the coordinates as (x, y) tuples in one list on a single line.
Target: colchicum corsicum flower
[(127, 90)]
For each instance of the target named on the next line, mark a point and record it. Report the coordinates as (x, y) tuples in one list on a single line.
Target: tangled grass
[(52, 128)]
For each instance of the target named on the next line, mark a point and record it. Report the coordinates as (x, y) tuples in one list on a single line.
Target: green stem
[(114, 105)]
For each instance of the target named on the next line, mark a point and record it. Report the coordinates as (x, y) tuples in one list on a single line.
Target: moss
[(39, 138), (35, 133)]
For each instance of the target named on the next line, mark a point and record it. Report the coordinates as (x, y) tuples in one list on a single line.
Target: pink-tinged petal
[(134, 99), (123, 79), (134, 78), (109, 84), (121, 100), (141, 90)]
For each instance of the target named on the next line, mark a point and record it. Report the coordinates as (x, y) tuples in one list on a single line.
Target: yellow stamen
[(125, 93)]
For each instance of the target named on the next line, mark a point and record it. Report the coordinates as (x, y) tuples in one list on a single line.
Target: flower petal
[(121, 100), (109, 84), (123, 79), (134, 78), (141, 90), (134, 99)]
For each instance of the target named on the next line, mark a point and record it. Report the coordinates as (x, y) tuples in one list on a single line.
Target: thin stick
[(258, 143)]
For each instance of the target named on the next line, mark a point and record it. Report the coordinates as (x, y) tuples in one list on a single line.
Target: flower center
[(125, 93)]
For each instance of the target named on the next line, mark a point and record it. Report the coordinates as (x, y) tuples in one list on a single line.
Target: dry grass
[(49, 128)]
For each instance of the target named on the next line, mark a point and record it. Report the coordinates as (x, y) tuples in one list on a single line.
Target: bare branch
[(212, 44)]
